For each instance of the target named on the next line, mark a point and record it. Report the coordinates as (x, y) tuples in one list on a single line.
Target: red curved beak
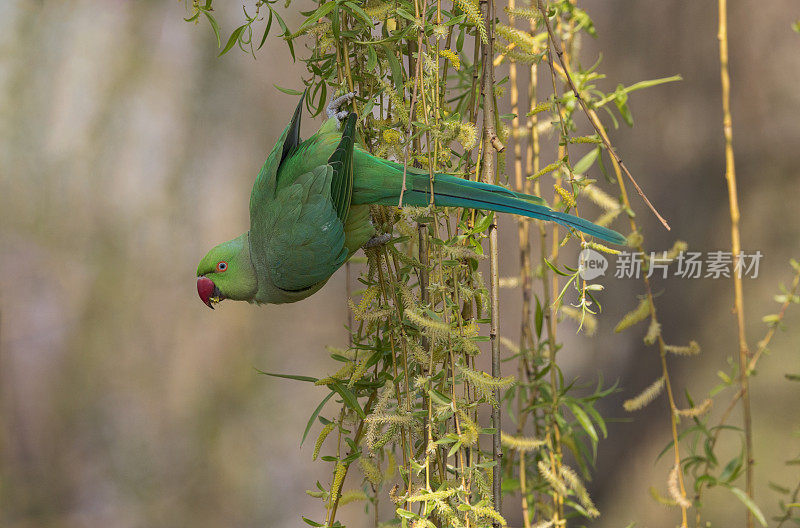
[(208, 291)]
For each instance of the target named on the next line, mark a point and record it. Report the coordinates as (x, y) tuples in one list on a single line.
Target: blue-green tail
[(450, 191)]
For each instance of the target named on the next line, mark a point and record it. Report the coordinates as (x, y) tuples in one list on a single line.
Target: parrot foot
[(378, 240), (336, 103)]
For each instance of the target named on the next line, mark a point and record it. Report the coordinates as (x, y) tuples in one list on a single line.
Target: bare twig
[(730, 177), (488, 175), (593, 119)]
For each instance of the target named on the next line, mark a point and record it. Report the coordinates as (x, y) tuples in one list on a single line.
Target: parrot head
[(226, 272)]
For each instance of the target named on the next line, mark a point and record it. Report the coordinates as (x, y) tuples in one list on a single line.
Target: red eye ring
[(222, 266)]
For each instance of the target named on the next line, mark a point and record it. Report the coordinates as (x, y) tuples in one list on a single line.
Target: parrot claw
[(333, 107), (378, 240)]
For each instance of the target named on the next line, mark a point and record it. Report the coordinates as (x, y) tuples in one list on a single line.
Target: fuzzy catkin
[(692, 349), (489, 513), (352, 495), (370, 470), (551, 478), (653, 331), (601, 198), (338, 478), (636, 315), (697, 410), (321, 438), (522, 444), (576, 485), (645, 397), (674, 490), (473, 12)]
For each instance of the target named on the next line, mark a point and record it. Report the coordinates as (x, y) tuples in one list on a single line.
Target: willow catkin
[(692, 349), (645, 397), (636, 315)]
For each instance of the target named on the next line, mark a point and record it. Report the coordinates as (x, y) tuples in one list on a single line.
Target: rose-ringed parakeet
[(309, 213)]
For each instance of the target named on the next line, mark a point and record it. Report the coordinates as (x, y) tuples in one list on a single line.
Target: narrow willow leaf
[(289, 91), (539, 318), (266, 29), (585, 421), (288, 376), (586, 162), (357, 12), (314, 17), (748, 502), (214, 26), (349, 398), (314, 416), (232, 39), (395, 67)]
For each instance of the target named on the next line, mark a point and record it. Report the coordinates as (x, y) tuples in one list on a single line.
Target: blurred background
[(128, 149)]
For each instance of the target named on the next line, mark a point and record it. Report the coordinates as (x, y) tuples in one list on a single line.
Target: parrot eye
[(222, 266)]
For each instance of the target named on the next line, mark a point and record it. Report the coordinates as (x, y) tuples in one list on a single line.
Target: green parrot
[(309, 213)]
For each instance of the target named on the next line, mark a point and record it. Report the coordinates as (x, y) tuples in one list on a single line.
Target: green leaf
[(539, 318), (777, 487), (483, 224), (586, 162), (650, 83), (597, 419), (214, 26), (395, 67), (453, 449), (555, 269), (731, 469), (584, 420), (439, 398), (266, 29), (349, 398), (287, 35), (405, 514), (289, 376), (310, 522), (748, 502), (372, 58), (314, 416), (621, 100), (359, 13), (232, 39), (796, 26), (289, 91), (314, 17)]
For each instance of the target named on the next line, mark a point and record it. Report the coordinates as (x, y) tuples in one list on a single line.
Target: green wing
[(298, 238), (265, 186), (342, 162), (301, 240)]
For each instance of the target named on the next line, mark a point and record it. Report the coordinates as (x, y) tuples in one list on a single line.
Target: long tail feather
[(450, 191), (379, 181)]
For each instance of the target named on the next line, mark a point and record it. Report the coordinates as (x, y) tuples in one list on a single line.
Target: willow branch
[(593, 116), (488, 174), (730, 177)]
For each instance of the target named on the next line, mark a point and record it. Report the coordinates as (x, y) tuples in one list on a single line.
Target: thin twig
[(730, 177), (593, 116), (488, 175), (523, 231)]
